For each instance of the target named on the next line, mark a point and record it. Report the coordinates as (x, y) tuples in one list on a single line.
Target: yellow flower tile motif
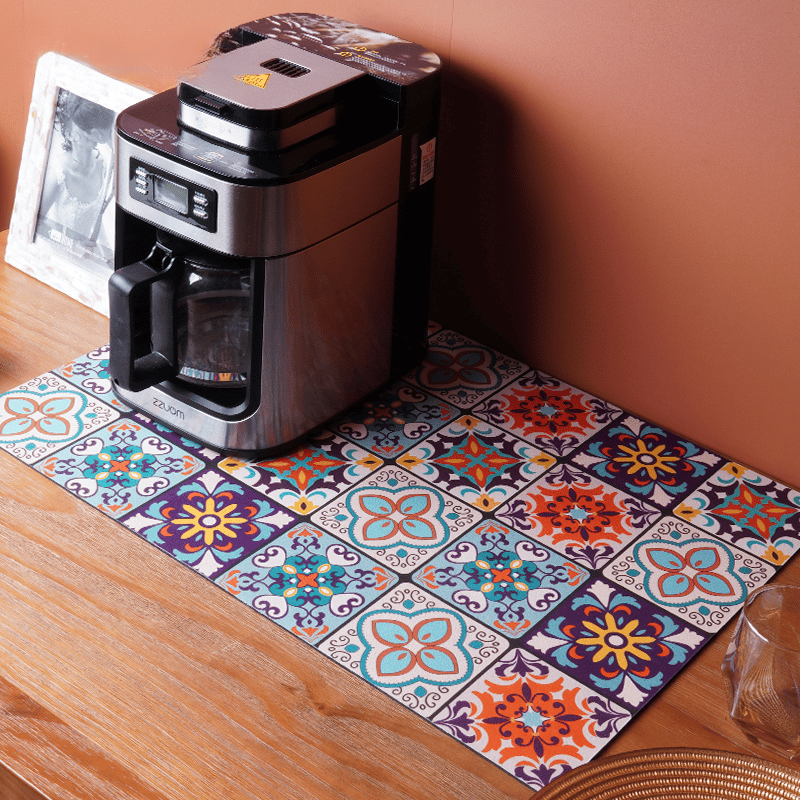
[(647, 461)]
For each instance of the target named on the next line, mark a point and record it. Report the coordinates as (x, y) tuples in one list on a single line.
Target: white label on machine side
[(427, 161)]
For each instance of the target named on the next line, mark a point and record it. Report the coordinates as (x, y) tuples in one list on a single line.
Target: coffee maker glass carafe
[(212, 321), (185, 315)]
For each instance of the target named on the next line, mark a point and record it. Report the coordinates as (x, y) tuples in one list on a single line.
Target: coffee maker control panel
[(174, 196)]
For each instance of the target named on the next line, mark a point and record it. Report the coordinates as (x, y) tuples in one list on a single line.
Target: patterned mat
[(522, 564)]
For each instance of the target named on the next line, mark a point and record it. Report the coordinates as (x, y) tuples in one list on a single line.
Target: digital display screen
[(170, 194)]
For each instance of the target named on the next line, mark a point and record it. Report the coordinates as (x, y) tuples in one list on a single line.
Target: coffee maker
[(273, 231)]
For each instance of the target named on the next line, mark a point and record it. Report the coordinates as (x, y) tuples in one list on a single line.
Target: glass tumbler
[(762, 669)]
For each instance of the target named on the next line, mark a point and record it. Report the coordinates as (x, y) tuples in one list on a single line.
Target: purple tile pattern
[(519, 562), (617, 642)]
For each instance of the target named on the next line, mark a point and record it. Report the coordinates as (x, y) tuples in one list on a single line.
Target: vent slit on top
[(283, 67)]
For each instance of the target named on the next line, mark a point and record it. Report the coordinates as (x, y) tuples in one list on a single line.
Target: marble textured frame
[(56, 266)]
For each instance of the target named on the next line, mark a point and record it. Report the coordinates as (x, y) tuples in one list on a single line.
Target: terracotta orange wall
[(619, 193)]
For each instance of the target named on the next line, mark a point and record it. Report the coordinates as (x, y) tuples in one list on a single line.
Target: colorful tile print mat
[(520, 563)]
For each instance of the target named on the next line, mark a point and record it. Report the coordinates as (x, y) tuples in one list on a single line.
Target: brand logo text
[(162, 406)]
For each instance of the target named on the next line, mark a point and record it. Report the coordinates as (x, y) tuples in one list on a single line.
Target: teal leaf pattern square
[(693, 575), (46, 414)]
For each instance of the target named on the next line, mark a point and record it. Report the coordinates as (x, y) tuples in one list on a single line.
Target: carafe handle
[(142, 339)]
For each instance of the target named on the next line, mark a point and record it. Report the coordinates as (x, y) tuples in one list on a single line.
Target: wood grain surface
[(125, 675)]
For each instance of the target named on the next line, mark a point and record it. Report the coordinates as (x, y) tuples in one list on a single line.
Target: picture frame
[(62, 223)]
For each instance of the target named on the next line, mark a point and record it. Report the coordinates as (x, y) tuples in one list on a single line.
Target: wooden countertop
[(125, 675)]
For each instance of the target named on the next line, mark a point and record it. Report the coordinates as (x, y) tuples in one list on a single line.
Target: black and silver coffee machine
[(274, 226)]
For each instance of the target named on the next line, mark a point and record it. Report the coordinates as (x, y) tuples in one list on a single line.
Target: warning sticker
[(260, 81), (427, 161)]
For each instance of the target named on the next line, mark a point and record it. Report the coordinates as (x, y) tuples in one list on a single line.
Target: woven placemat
[(677, 774)]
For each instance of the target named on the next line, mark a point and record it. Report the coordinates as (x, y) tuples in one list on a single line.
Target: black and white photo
[(76, 211), (62, 225)]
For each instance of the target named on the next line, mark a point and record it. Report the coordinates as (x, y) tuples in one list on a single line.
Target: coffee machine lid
[(266, 96)]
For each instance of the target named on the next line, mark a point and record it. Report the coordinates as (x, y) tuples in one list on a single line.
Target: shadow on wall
[(490, 240)]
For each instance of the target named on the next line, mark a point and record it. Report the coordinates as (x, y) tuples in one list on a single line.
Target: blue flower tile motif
[(415, 648), (90, 373), (308, 581), (210, 522), (625, 647), (396, 518), (119, 467), (478, 463), (316, 471), (693, 575), (462, 371), (502, 578), (393, 420), (647, 462), (45, 414)]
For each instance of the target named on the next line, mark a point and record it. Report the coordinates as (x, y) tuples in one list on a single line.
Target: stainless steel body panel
[(326, 341), (270, 221)]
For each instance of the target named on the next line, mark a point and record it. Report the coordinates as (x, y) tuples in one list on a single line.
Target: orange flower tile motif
[(578, 515), (532, 719), (547, 413), (309, 476)]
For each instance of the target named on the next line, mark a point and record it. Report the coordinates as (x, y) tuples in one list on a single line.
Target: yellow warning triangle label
[(253, 80)]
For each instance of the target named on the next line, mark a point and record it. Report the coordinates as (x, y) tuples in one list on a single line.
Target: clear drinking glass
[(762, 669)]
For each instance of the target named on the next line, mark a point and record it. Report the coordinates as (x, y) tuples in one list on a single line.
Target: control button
[(141, 189), (141, 172), (200, 199), (200, 213)]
